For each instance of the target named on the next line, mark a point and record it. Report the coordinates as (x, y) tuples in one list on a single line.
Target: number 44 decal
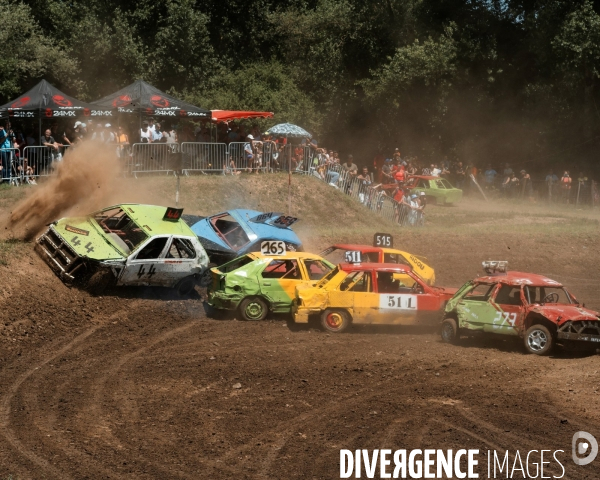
[(502, 317), (142, 271)]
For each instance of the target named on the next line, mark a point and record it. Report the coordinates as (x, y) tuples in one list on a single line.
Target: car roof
[(288, 255), (380, 267), (519, 278), (366, 248), (150, 219), (425, 177), (354, 246)]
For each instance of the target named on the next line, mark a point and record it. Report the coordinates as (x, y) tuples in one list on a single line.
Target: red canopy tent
[(228, 115)]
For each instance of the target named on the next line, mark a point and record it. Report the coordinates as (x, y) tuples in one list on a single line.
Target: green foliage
[(475, 78), (264, 86), (36, 56)]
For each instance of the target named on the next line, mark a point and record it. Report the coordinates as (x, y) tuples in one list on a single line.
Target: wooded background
[(483, 81)]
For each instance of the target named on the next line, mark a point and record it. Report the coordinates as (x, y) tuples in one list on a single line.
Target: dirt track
[(140, 386)]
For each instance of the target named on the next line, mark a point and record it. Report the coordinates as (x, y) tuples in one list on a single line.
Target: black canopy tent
[(46, 101), (144, 99)]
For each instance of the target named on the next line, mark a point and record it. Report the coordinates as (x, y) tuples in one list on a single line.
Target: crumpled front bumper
[(301, 314), (57, 253), (583, 331)]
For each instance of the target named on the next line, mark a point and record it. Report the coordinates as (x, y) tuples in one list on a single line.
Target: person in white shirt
[(145, 133)]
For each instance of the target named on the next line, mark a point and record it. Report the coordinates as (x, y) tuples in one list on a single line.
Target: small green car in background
[(437, 190)]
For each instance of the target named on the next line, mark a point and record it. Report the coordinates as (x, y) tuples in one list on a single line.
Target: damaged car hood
[(84, 236), (562, 313)]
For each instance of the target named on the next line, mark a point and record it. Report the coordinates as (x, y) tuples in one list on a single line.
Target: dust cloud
[(86, 179)]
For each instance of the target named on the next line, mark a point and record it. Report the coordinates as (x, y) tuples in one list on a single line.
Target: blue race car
[(231, 234)]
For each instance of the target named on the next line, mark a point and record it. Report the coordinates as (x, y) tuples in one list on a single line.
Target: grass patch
[(8, 249)]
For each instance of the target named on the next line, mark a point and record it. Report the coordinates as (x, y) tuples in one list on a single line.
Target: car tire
[(335, 321), (100, 281), (539, 340), (206, 278), (431, 200), (254, 309), (215, 313), (185, 286), (449, 331)]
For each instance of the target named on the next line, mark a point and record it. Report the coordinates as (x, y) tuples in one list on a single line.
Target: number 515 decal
[(502, 317)]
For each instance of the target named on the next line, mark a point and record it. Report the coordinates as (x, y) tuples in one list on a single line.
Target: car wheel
[(335, 321), (538, 340), (206, 278), (100, 281), (431, 200), (254, 308), (185, 286), (449, 331)]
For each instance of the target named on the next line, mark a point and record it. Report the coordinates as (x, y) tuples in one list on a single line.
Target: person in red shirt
[(400, 174)]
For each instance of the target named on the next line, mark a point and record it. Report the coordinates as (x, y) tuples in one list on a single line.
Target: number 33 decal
[(502, 317)]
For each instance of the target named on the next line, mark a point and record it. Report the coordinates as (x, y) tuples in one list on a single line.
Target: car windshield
[(394, 258), (316, 269), (230, 230), (116, 222), (235, 264), (328, 277), (547, 295), (481, 292)]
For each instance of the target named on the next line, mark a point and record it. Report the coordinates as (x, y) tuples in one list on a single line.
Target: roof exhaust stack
[(495, 267)]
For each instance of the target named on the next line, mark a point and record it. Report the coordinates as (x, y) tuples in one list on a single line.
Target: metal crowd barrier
[(153, 158), (10, 160), (36, 161), (375, 199), (204, 157)]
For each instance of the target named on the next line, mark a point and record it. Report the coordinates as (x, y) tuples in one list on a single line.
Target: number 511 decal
[(502, 317), (398, 302)]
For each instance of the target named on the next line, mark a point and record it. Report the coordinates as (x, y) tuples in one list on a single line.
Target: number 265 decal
[(509, 318)]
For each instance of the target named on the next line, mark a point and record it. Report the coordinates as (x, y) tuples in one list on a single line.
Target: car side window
[(181, 248), (508, 295), (153, 249), (287, 269), (357, 282), (481, 293), (316, 269)]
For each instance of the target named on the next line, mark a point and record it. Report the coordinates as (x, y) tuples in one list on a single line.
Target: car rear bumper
[(223, 301)]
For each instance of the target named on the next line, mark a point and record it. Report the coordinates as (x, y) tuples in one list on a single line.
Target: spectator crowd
[(258, 151)]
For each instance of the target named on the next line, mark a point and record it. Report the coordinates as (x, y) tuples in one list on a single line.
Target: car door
[(474, 309), (357, 292), (146, 266), (278, 282), (180, 259), (508, 303), (397, 302)]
